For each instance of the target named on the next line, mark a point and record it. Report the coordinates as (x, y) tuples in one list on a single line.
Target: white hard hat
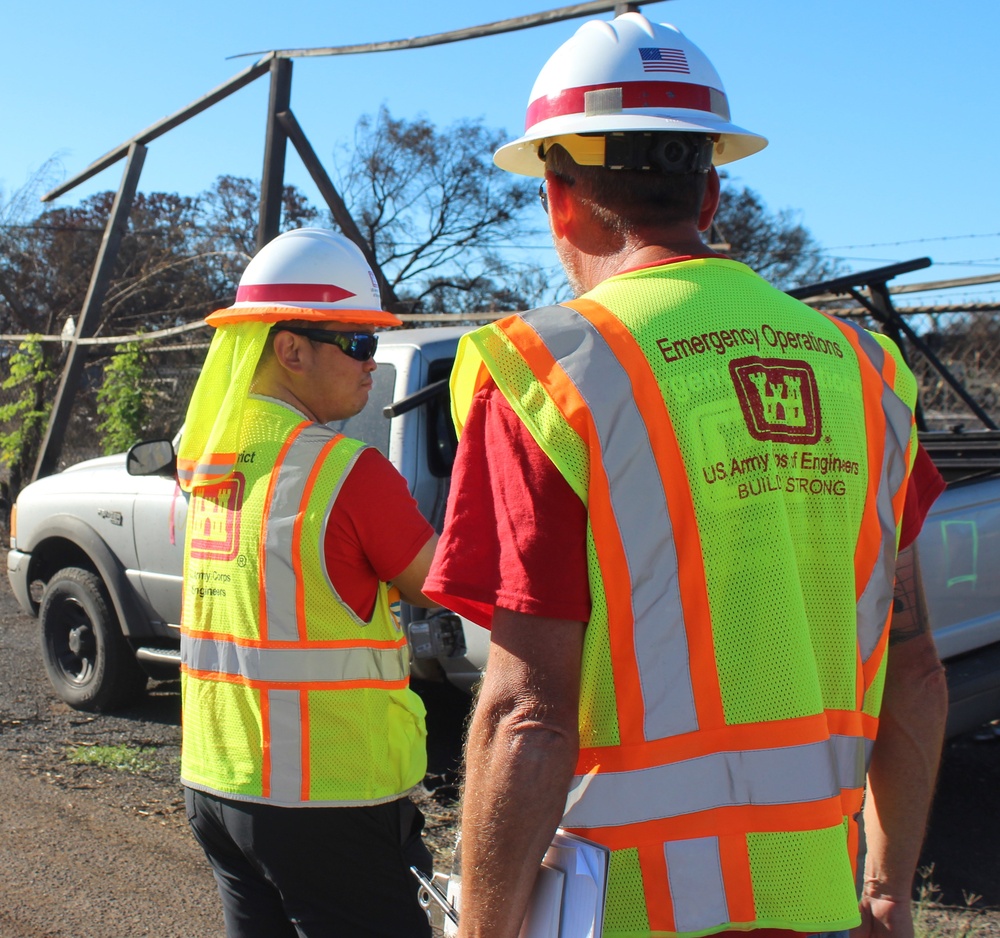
[(626, 75), (311, 274)]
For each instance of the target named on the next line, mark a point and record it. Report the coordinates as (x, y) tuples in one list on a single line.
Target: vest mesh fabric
[(364, 738), (746, 527), (787, 865), (778, 512)]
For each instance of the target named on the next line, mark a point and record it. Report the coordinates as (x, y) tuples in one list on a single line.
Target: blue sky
[(881, 114)]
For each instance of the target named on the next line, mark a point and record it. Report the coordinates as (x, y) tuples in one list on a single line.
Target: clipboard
[(584, 866), (567, 900)]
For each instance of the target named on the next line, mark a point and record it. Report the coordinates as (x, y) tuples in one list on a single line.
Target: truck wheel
[(88, 661)]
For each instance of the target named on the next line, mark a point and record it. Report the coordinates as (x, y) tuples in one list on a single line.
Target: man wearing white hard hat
[(697, 486), (301, 735)]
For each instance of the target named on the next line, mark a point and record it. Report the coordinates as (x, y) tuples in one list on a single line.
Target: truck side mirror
[(153, 458)]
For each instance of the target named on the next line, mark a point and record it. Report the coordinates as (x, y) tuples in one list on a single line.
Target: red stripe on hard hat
[(671, 94), (291, 293)]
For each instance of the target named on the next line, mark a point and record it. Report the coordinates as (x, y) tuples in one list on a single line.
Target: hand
[(884, 917)]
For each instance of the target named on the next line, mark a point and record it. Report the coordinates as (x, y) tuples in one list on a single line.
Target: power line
[(989, 262), (888, 244)]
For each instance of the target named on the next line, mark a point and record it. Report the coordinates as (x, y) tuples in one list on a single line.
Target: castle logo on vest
[(215, 525), (779, 397)]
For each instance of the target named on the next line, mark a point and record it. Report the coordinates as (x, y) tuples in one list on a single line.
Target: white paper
[(543, 915), (585, 865)]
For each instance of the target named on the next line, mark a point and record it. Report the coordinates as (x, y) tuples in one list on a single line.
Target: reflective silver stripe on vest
[(207, 470), (289, 491), (285, 718), (697, 890), (874, 602), (294, 665), (643, 522), (322, 555), (788, 775)]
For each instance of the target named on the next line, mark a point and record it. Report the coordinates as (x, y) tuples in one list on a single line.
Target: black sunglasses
[(358, 345), (543, 192)]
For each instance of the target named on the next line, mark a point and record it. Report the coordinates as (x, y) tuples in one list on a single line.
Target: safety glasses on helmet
[(360, 346)]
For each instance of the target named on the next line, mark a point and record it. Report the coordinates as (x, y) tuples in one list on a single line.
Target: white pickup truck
[(96, 550)]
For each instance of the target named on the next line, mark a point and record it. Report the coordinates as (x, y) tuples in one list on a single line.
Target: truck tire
[(88, 661)]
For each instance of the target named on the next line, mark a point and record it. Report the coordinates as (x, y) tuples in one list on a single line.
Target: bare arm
[(904, 761), (410, 582), (520, 757)]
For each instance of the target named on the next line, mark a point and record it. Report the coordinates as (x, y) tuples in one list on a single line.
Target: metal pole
[(559, 15), (925, 350), (273, 181), (76, 358), (162, 126), (881, 300)]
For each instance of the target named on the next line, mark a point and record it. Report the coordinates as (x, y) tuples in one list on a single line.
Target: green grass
[(122, 757)]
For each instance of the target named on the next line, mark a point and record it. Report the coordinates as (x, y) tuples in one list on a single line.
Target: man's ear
[(292, 352), (562, 207), (710, 201)]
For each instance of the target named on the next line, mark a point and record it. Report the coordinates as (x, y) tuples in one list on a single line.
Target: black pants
[(314, 872)]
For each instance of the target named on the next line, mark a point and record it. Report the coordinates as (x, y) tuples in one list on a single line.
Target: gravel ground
[(89, 851)]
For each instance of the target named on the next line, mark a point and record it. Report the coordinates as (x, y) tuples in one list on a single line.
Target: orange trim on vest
[(798, 731), (189, 467), (212, 459), (693, 585), (659, 906), (732, 820), (735, 860), (870, 536), (300, 517)]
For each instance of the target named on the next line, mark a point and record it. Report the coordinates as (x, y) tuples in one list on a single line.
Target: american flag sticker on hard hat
[(664, 60)]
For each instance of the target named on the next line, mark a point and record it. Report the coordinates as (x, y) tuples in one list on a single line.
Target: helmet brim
[(272, 313), (521, 156)]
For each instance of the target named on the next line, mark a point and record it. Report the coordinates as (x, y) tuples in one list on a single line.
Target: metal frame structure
[(878, 303), (281, 126)]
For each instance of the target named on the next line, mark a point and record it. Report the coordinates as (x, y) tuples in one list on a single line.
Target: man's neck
[(596, 269), (265, 385)]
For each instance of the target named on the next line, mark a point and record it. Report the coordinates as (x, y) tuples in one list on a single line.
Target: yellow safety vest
[(743, 461), (288, 696)]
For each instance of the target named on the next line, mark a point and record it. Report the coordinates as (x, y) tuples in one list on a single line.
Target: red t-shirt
[(514, 534), (374, 531), (926, 484)]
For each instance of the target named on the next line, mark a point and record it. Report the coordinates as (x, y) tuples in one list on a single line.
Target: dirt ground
[(89, 851)]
